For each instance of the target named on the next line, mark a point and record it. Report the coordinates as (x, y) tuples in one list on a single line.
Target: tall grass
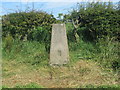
[(109, 53), (29, 52), (105, 51), (82, 50)]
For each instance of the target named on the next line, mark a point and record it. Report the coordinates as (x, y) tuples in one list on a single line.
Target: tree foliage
[(32, 25), (97, 23), (26, 24), (95, 20)]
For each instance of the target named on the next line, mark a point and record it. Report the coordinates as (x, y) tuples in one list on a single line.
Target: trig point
[(59, 53)]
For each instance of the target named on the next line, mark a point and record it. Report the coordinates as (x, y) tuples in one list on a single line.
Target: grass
[(34, 85), (25, 64), (116, 87), (26, 52), (82, 50), (30, 85), (80, 74)]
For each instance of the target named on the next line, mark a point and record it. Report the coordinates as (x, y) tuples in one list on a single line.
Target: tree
[(95, 20), (60, 16)]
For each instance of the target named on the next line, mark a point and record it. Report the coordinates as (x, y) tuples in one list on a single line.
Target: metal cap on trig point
[(59, 53)]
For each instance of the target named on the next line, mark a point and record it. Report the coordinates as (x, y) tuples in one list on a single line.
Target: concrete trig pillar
[(59, 53)]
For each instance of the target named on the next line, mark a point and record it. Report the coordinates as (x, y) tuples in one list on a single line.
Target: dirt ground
[(79, 74)]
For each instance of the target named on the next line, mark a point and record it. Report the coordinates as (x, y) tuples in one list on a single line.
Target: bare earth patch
[(81, 73)]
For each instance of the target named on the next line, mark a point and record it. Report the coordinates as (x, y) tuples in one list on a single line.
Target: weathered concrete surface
[(59, 53)]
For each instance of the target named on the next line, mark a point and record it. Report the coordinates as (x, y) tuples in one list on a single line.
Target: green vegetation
[(33, 25), (97, 25), (25, 52), (93, 35), (34, 85), (31, 85), (103, 86)]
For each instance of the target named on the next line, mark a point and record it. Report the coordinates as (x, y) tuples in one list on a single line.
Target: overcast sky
[(50, 6)]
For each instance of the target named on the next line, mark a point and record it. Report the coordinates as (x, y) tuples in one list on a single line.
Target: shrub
[(95, 20), (21, 24)]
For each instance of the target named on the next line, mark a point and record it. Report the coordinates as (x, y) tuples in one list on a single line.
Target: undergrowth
[(24, 52), (33, 53), (105, 51)]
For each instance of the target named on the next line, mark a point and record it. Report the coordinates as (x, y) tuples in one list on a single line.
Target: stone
[(59, 53)]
